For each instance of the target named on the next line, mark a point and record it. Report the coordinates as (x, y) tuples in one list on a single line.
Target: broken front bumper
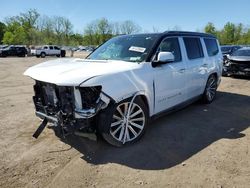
[(236, 69), (68, 107)]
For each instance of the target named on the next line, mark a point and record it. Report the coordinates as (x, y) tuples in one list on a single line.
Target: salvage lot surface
[(199, 146)]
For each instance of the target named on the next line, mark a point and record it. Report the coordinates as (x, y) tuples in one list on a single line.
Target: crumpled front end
[(235, 67), (72, 108)]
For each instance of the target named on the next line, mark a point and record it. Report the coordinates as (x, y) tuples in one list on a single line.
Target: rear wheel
[(124, 122), (57, 55), (210, 90)]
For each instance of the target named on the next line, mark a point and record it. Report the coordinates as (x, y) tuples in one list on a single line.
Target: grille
[(50, 98)]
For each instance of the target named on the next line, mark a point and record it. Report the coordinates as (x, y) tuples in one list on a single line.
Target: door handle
[(181, 70)]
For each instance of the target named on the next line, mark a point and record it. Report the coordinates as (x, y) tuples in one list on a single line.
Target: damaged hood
[(239, 58), (72, 72)]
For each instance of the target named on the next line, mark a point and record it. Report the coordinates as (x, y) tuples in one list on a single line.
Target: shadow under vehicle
[(174, 138)]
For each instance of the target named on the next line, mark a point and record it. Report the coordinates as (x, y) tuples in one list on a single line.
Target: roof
[(175, 33), (187, 33)]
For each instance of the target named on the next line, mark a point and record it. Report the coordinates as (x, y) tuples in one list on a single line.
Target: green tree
[(46, 29), (228, 33), (17, 37), (2, 31), (238, 33), (210, 28), (76, 39), (8, 38), (97, 32), (21, 28)]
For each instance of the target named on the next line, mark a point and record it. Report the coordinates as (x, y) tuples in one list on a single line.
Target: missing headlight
[(89, 96)]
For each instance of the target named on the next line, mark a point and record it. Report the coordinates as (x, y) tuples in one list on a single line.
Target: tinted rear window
[(193, 47), (212, 47)]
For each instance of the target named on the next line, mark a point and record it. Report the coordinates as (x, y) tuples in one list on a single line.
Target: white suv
[(126, 82)]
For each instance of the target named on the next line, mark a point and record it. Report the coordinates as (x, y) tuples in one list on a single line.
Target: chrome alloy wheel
[(127, 124), (211, 88)]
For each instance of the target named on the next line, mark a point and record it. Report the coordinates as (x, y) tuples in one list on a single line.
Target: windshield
[(242, 52), (225, 49), (132, 48)]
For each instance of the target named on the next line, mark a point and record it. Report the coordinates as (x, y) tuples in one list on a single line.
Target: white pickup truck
[(48, 50)]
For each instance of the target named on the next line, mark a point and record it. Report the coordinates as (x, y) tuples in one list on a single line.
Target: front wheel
[(124, 123), (210, 90), (42, 55)]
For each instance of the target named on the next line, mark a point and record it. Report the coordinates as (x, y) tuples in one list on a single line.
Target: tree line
[(230, 34), (31, 28)]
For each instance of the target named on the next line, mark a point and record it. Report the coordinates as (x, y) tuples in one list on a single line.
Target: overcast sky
[(190, 15)]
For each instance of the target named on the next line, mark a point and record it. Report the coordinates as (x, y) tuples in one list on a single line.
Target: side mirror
[(163, 58)]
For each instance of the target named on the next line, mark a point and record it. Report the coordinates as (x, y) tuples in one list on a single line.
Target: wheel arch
[(215, 74), (145, 101)]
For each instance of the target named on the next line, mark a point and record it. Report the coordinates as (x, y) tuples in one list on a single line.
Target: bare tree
[(116, 28), (104, 27), (62, 28), (29, 18), (155, 29), (129, 27), (90, 31)]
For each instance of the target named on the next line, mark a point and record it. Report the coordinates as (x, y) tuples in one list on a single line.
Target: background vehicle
[(49, 50), (238, 63), (13, 51), (228, 50), (3, 46), (127, 81)]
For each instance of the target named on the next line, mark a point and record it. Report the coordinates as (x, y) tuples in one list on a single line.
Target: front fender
[(123, 85)]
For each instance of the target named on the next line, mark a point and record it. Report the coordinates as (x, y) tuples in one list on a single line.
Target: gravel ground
[(199, 146)]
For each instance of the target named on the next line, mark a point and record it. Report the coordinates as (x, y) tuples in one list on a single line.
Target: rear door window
[(193, 47), (212, 47), (51, 47)]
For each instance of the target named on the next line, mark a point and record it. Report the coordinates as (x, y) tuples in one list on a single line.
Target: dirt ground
[(199, 146)]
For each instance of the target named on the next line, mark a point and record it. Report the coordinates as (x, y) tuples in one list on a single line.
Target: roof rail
[(188, 33)]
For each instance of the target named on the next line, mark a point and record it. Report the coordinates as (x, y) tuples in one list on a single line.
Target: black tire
[(106, 119), (43, 55), (4, 55), (63, 53), (57, 55), (37, 56), (210, 89)]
